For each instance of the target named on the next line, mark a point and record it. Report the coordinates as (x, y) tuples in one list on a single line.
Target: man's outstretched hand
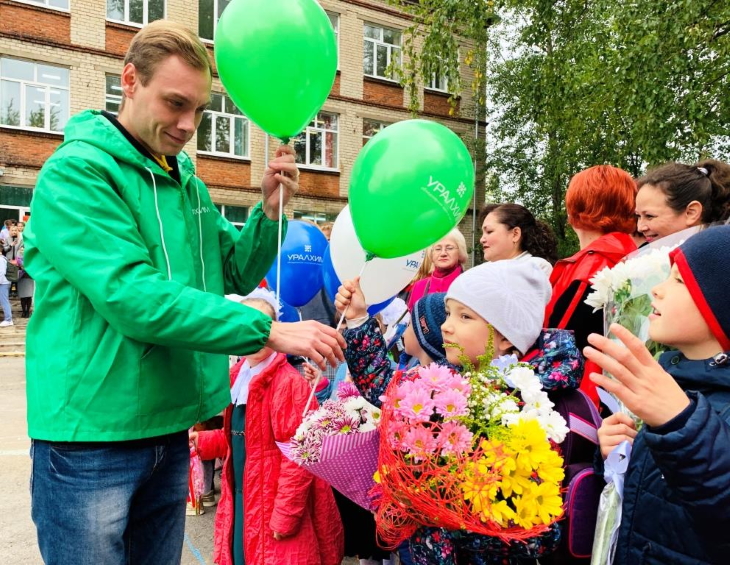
[(322, 344)]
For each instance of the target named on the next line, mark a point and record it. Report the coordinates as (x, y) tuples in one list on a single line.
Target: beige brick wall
[(88, 65)]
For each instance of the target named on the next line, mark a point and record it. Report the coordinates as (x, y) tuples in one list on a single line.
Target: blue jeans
[(5, 302), (115, 503)]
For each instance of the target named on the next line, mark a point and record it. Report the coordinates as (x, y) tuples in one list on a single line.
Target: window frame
[(374, 120), (47, 104), (215, 22), (314, 216), (145, 12), (222, 210), (336, 29), (213, 125), (108, 97), (389, 46), (306, 134), (45, 4)]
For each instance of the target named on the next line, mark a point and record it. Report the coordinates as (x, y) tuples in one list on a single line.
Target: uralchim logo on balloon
[(442, 195), (306, 256)]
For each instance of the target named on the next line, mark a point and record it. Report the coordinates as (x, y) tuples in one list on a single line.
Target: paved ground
[(17, 533)]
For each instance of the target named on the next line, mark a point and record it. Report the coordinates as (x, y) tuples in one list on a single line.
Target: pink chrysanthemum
[(454, 438), (345, 424), (451, 403), (435, 376), (347, 390), (419, 442), (457, 382), (417, 405)]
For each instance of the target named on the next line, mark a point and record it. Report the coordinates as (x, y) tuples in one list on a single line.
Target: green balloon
[(410, 185), (277, 59)]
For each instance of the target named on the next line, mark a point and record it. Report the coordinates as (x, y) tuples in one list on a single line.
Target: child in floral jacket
[(554, 356)]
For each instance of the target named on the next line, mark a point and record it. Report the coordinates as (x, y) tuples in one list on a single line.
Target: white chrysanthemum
[(537, 400), (366, 427), (601, 284), (555, 426), (525, 380), (354, 404)]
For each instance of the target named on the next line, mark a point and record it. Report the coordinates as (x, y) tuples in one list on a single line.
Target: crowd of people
[(140, 297), (15, 282)]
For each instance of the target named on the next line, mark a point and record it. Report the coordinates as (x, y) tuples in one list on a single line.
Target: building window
[(370, 128), (237, 215), (381, 49), (316, 217), (33, 95), (438, 82), (317, 145), (209, 12), (113, 97), (58, 4), (224, 130), (139, 12), (335, 21)]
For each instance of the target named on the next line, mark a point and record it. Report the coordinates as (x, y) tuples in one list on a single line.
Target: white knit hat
[(510, 295), (260, 294)]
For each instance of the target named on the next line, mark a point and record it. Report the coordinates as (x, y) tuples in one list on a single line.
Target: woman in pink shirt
[(448, 256)]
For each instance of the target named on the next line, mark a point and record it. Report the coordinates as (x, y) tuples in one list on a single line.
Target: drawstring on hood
[(159, 222), (200, 232)]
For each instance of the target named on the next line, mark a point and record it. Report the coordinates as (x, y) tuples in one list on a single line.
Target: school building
[(59, 57)]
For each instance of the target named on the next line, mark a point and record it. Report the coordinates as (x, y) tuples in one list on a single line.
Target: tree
[(601, 81)]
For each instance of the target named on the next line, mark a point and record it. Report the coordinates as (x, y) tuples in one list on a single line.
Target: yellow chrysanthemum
[(480, 486), (530, 442), (551, 469), (548, 502), (502, 513), (514, 478), (526, 512)]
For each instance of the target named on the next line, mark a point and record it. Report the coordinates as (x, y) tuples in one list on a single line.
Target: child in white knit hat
[(507, 297)]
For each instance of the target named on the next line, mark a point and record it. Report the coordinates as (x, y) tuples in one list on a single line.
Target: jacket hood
[(92, 127), (613, 246)]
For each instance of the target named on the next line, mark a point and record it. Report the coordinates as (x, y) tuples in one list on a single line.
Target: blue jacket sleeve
[(695, 462)]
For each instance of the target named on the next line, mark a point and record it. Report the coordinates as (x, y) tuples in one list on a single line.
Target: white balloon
[(382, 278)]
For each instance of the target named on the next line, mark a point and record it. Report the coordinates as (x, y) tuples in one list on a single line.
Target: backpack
[(582, 485)]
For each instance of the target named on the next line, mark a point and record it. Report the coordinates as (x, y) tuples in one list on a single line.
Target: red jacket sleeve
[(212, 444), (290, 396)]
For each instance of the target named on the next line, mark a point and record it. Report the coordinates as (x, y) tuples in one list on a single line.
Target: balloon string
[(319, 375), (278, 254)]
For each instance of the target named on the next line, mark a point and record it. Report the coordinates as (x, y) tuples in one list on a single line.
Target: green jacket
[(130, 333)]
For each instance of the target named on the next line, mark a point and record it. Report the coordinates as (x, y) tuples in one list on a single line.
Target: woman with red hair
[(600, 202)]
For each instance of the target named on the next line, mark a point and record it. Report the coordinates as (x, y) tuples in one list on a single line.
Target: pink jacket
[(432, 283), (279, 496)]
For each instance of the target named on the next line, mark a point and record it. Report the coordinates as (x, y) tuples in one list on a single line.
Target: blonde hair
[(162, 39), (457, 238), (426, 267)]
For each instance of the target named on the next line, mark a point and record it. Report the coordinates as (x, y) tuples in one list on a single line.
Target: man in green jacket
[(129, 341)]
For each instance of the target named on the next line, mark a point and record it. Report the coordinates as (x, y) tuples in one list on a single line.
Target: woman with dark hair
[(674, 197), (600, 202), (510, 231)]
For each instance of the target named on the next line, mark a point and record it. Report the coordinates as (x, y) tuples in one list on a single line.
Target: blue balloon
[(301, 263), (288, 313), (332, 283)]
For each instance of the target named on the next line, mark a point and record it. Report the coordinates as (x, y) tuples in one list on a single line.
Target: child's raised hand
[(641, 384), (615, 429), (311, 373), (351, 300)]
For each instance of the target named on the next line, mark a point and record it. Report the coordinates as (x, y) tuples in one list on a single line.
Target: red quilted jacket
[(279, 496)]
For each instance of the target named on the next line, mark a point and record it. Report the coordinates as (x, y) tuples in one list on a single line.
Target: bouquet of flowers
[(623, 292), (473, 452), (334, 436)]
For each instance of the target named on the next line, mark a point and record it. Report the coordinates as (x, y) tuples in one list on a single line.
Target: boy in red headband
[(676, 500)]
